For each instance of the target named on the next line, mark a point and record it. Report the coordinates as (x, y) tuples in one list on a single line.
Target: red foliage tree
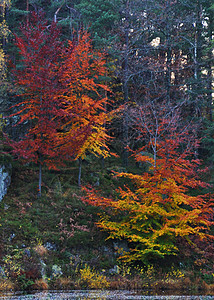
[(62, 100), (37, 80)]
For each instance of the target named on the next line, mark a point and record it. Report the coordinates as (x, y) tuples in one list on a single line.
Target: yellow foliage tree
[(157, 208)]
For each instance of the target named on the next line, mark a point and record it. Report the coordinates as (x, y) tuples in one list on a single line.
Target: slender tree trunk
[(209, 73), (197, 50), (80, 171), (104, 125), (168, 53), (40, 180), (125, 87), (56, 12), (27, 9)]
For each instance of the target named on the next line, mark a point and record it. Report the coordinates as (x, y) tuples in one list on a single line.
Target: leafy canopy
[(63, 101), (158, 208)]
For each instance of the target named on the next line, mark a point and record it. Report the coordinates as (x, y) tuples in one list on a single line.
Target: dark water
[(99, 295)]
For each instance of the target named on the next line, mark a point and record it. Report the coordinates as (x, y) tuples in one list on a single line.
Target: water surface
[(99, 295)]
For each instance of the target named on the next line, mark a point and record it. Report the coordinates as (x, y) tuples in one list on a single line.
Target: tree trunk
[(40, 180), (168, 53), (27, 9), (80, 171), (56, 12), (125, 89), (209, 73)]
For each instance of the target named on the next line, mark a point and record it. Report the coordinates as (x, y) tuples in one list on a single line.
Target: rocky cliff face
[(5, 180)]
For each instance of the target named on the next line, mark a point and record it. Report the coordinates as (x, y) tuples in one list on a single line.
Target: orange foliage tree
[(84, 99), (157, 207), (63, 103)]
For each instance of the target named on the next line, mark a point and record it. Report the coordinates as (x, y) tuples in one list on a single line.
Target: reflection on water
[(98, 295)]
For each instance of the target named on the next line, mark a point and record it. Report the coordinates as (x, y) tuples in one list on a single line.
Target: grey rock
[(43, 268), (5, 180), (50, 246), (115, 270), (56, 271), (2, 273), (11, 237), (27, 252)]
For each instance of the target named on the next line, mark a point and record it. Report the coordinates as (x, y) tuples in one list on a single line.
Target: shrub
[(89, 278), (40, 284), (6, 285), (64, 283)]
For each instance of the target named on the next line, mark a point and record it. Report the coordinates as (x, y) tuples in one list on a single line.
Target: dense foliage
[(89, 78), (158, 209), (63, 101)]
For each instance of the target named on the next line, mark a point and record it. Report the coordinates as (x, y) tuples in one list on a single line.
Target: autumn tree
[(161, 55), (157, 207), (37, 80), (84, 100), (61, 102)]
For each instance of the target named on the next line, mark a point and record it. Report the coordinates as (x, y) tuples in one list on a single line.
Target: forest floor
[(52, 242)]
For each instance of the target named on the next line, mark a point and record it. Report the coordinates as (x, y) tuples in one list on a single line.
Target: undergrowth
[(59, 230)]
